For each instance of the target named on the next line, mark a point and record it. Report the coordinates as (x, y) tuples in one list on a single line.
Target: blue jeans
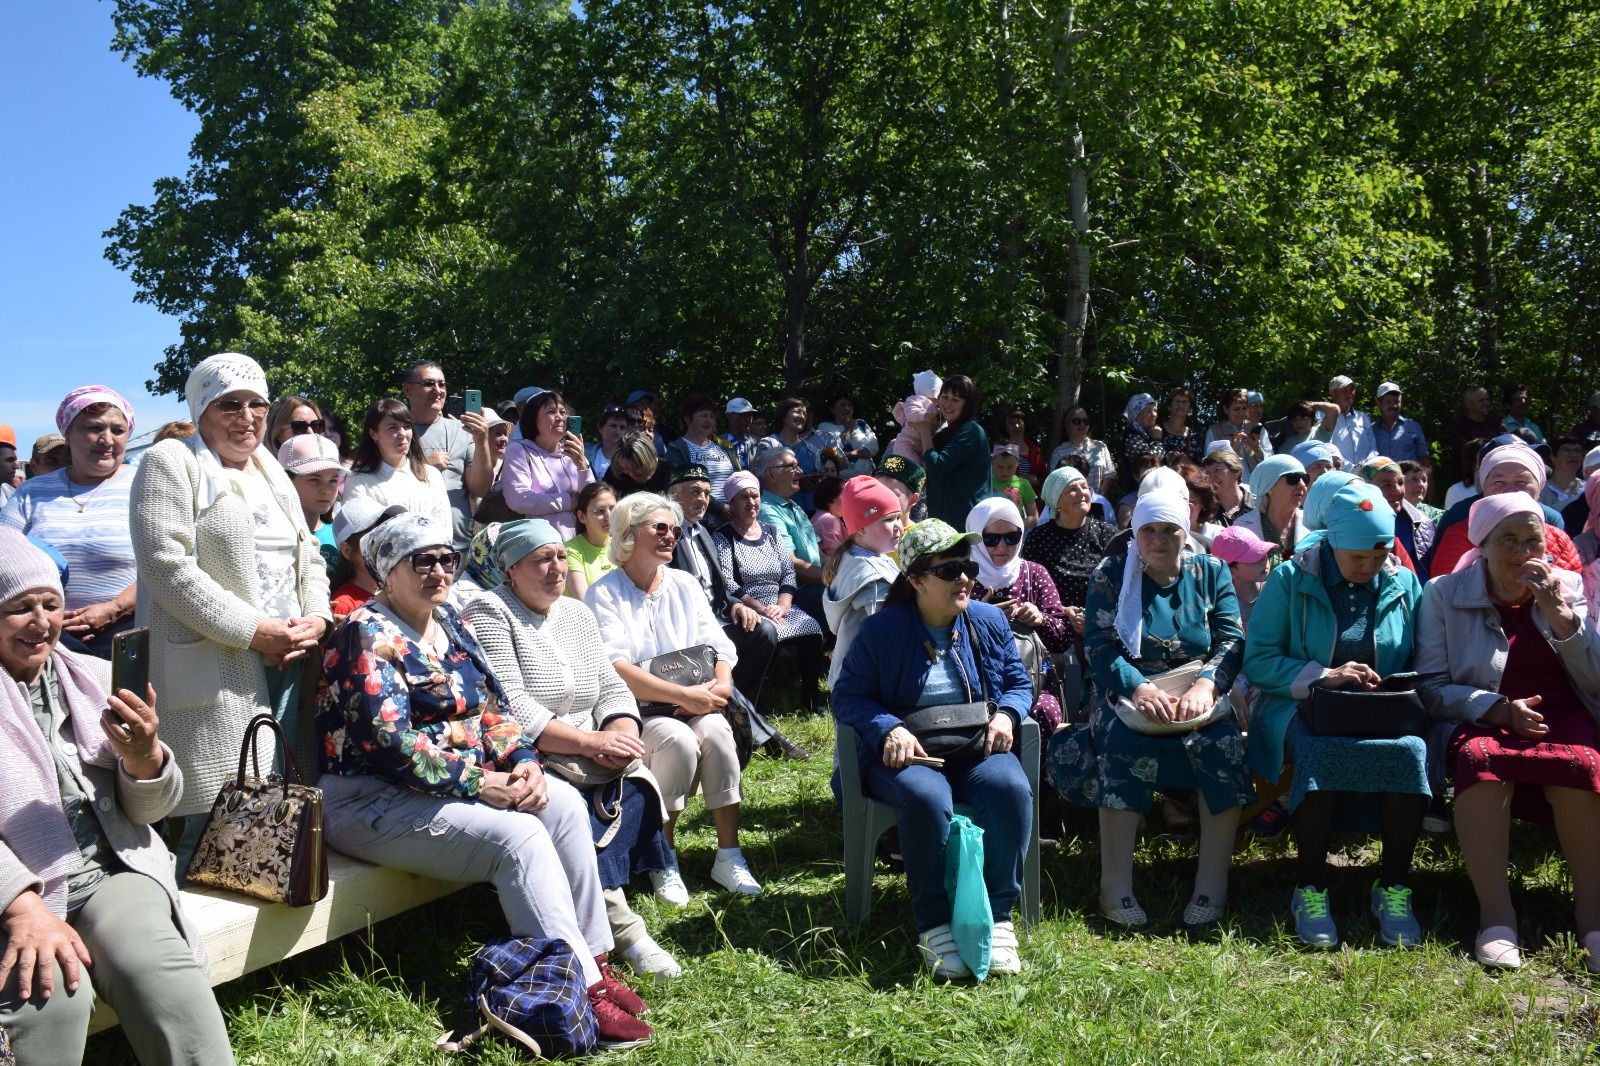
[(997, 789)]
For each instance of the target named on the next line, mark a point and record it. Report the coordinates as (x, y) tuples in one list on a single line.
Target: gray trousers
[(543, 865), (143, 969)]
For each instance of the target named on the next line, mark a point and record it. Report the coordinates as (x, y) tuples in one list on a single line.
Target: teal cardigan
[(959, 472), (1291, 638)]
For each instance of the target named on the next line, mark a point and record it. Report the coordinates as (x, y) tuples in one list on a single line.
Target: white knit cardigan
[(199, 594)]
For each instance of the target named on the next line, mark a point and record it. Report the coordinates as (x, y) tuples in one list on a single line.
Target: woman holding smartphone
[(545, 470)]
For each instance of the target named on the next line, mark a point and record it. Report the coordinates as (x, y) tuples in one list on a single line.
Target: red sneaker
[(618, 1028), (620, 994)]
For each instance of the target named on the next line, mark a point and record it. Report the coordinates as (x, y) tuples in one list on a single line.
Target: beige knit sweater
[(198, 594)]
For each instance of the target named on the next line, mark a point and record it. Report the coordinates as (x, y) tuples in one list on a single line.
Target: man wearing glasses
[(449, 444), (779, 472)]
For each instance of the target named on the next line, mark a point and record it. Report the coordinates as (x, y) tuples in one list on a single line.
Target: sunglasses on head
[(993, 540), (424, 562), (300, 425), (954, 569), (233, 407), (664, 530)]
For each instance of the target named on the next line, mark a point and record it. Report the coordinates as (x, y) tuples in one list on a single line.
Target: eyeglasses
[(424, 562), (954, 569), (787, 466), (437, 384), (300, 425), (662, 530), (993, 540), (233, 408), (1295, 479)]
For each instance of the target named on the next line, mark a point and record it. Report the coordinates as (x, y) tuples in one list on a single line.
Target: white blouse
[(395, 486), (635, 625)]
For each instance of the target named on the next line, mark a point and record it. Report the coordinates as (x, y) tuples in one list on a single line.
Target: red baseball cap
[(865, 500)]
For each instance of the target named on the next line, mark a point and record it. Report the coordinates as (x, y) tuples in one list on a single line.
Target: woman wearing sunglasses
[(1342, 614), (292, 416), (1022, 590), (645, 608), (231, 584), (1154, 609), (1075, 440), (932, 644), (1278, 485), (425, 769)]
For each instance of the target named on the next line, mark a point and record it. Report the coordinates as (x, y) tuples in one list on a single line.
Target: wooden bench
[(243, 934)]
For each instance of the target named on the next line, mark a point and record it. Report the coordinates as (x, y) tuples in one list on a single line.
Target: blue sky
[(84, 136)]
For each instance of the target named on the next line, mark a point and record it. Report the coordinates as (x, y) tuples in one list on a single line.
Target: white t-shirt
[(397, 487)]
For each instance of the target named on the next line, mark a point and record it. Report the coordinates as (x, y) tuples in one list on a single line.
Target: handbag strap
[(247, 750)]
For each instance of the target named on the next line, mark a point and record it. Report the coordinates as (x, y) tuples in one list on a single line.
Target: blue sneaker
[(1397, 925), (1312, 922)]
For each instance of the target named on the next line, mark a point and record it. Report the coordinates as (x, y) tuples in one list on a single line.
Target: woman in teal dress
[(1176, 608), (1340, 614)]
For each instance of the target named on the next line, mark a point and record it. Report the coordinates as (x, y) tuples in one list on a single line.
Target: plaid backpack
[(531, 991)]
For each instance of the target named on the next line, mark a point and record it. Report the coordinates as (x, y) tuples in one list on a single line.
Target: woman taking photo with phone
[(544, 471), (932, 645)]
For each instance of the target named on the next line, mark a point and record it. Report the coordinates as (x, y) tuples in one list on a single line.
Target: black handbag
[(696, 665), (1391, 710), (953, 732)]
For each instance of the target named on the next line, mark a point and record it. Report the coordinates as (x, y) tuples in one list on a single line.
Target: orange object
[(8, 435)]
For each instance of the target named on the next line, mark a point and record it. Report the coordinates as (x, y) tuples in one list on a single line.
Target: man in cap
[(49, 455), (755, 639), (1349, 430), (8, 463), (1400, 438), (740, 413)]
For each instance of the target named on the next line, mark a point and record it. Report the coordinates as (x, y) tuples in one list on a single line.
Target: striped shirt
[(94, 540)]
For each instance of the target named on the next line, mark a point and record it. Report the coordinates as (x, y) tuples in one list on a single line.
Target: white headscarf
[(995, 509), (1152, 507)]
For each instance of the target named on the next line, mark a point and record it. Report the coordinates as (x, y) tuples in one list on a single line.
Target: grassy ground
[(781, 979)]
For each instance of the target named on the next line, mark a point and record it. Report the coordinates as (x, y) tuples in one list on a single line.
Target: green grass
[(782, 979)]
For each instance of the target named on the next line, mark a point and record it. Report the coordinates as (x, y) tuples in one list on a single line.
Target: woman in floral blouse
[(423, 771), (1176, 608)]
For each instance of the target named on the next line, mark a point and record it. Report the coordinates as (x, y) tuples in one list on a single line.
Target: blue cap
[(638, 394), (525, 394), (1252, 396), (1311, 452)]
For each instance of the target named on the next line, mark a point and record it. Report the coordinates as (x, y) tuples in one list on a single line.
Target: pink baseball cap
[(309, 453), (865, 500), (1237, 544)]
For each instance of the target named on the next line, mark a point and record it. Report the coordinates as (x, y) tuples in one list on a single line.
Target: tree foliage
[(827, 195)]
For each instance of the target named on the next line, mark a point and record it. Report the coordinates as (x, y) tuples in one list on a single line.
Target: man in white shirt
[(1350, 430), (449, 444)]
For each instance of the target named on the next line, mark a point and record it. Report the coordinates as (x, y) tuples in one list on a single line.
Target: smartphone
[(454, 406), (130, 661), (575, 425), (474, 402), (926, 760)]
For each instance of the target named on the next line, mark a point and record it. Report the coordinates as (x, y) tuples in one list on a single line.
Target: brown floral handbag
[(264, 836)]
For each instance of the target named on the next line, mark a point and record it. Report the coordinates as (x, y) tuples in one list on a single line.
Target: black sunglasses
[(1295, 479), (992, 540), (663, 530), (300, 425), (424, 562), (953, 569)]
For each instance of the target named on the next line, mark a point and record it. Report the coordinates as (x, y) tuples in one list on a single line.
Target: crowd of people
[(519, 645)]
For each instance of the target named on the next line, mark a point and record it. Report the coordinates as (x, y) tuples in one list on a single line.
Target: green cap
[(902, 470), (930, 537)]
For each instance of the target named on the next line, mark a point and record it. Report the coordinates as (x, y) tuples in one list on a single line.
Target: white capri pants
[(684, 753), (543, 865)]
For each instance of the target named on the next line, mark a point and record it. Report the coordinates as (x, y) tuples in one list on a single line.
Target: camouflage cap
[(930, 537)]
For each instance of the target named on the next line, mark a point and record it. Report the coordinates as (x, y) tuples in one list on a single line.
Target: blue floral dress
[(1350, 764), (391, 708), (1107, 764)]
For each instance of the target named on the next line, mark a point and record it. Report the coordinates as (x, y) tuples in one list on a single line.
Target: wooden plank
[(243, 934)]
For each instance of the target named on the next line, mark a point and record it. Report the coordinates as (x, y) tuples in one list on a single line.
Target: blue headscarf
[(1267, 473), (519, 538), (1360, 519)]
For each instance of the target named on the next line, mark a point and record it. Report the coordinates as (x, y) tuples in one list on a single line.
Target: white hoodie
[(854, 595)]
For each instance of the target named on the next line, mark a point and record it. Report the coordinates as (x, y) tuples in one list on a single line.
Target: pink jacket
[(543, 484)]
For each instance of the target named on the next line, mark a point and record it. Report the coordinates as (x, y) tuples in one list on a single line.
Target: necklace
[(73, 496)]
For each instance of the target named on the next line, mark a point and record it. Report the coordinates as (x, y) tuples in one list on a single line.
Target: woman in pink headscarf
[(81, 510), (1509, 468), (1505, 647)]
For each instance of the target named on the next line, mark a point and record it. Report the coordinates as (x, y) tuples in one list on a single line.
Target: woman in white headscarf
[(1151, 610), (231, 583), (1141, 436), (1022, 590)]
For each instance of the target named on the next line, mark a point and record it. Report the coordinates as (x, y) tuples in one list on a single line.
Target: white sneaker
[(733, 874), (669, 887), (1003, 957), (939, 952), (649, 959)]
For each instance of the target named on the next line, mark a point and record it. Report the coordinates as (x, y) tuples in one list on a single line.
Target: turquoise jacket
[(1291, 638)]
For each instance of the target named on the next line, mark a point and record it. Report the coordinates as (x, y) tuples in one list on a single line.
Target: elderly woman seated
[(647, 608), (759, 573), (1506, 646), (90, 905), (931, 645), (425, 771), (545, 650)]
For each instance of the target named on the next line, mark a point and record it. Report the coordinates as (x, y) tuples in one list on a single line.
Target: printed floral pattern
[(393, 709)]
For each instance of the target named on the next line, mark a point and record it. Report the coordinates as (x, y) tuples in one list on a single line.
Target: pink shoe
[(1497, 947)]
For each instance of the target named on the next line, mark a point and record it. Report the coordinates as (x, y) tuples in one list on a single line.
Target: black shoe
[(781, 747)]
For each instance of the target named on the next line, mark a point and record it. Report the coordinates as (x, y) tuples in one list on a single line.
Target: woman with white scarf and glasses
[(231, 584), (90, 906), (1022, 590), (1151, 610)]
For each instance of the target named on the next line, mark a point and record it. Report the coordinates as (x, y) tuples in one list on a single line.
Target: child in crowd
[(312, 463), (1006, 481), (352, 583), (827, 520), (905, 479), (860, 570)]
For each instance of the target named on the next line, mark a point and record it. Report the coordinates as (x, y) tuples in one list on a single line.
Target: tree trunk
[(1080, 257), (1484, 276), (797, 295), (1011, 223)]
